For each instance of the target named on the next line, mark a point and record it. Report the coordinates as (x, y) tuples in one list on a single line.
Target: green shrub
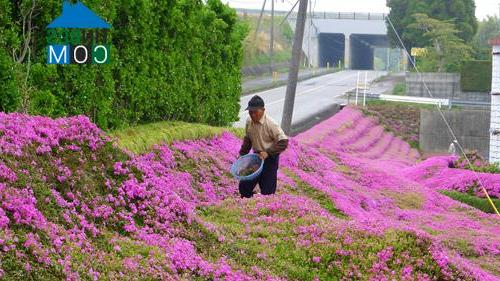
[(479, 203), (478, 163), (170, 60), (476, 76), (399, 89), (9, 96)]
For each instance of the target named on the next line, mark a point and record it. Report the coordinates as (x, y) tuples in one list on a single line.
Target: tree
[(170, 60), (446, 50), (461, 12), (487, 29)]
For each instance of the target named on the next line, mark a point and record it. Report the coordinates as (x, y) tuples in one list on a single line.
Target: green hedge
[(170, 60), (479, 203), (476, 76)]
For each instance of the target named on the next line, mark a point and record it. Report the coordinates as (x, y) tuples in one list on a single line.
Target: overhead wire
[(455, 140)]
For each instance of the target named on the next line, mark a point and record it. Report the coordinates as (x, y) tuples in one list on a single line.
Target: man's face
[(256, 114)]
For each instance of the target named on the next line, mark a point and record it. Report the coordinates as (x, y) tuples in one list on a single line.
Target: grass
[(90, 185), (321, 198), (474, 201), (141, 138), (488, 168), (407, 200), (257, 51), (402, 119), (277, 248), (400, 104), (399, 89)]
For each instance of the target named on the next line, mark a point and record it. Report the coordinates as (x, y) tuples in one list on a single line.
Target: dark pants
[(266, 180)]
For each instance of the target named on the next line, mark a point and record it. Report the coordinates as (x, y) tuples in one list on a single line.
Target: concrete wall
[(473, 96), (351, 26), (310, 45), (470, 126), (441, 85)]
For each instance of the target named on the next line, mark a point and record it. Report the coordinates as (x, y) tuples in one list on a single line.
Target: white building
[(495, 103)]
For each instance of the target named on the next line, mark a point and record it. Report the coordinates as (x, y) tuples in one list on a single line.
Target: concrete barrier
[(470, 126), (473, 96), (441, 85)]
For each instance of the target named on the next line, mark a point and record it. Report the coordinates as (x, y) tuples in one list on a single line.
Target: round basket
[(244, 162)]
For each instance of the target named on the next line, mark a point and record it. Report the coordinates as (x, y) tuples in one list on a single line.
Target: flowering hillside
[(352, 204)]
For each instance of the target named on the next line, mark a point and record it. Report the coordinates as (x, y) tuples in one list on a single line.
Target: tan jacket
[(264, 135)]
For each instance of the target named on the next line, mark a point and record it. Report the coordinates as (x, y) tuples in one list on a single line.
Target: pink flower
[(6, 173)]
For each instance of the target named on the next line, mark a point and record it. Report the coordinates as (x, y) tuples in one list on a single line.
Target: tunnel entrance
[(331, 49), (362, 50)]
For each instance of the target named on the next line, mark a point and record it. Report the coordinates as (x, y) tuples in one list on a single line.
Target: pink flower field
[(353, 203)]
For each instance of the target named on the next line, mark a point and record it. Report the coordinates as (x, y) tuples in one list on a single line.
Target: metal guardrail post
[(357, 89)]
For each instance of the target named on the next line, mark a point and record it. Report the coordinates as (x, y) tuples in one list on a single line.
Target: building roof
[(494, 41)]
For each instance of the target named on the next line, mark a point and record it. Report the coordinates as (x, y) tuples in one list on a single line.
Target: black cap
[(255, 102)]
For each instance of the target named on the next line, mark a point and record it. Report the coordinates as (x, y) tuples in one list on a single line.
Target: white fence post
[(365, 89), (357, 89)]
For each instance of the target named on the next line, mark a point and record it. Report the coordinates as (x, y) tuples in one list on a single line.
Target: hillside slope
[(352, 204)]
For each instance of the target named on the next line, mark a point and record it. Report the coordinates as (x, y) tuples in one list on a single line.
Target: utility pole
[(259, 21), (286, 120), (309, 37), (271, 45)]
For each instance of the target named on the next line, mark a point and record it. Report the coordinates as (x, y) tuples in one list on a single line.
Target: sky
[(483, 7)]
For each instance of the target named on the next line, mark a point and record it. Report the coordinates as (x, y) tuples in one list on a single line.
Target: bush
[(476, 76), (479, 203), (9, 97), (170, 60), (399, 89), (477, 162)]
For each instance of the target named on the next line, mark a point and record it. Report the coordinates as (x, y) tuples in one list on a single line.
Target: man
[(267, 140)]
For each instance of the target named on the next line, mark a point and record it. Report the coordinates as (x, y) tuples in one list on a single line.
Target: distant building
[(495, 103)]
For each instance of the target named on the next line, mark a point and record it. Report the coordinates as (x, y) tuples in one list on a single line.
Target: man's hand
[(263, 155)]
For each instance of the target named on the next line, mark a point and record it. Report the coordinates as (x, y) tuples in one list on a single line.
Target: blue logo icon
[(78, 36)]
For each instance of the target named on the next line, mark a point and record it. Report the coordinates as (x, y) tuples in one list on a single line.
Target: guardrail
[(349, 16), (420, 100), (410, 99), (323, 15)]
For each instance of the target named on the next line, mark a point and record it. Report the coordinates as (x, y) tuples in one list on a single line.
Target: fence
[(323, 15)]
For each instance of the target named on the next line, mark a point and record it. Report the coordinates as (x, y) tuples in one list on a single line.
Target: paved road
[(266, 81), (313, 96)]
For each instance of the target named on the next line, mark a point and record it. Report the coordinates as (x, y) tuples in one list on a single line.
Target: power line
[(291, 10), (455, 140)]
